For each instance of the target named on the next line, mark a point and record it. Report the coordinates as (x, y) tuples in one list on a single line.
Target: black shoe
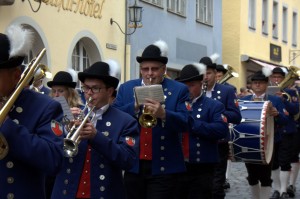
[(275, 195), (291, 191), (284, 195), (226, 185)]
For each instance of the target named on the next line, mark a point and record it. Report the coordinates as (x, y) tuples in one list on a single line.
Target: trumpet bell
[(70, 148), (147, 120)]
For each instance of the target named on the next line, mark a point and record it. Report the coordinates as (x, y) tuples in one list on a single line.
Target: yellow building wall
[(239, 40), (60, 25)]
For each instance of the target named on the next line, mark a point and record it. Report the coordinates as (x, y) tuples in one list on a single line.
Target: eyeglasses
[(86, 89), (153, 69)]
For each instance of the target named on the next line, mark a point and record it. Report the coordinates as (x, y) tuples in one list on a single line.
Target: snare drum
[(251, 141)]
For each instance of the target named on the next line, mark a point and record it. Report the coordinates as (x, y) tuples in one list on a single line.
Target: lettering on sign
[(111, 46), (89, 8)]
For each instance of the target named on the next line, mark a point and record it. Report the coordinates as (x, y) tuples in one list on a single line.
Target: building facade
[(192, 29), (75, 33), (259, 33)]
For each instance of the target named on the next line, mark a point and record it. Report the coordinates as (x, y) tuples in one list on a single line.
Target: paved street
[(239, 186)]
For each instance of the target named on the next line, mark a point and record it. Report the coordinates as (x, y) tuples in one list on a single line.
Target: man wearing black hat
[(108, 142), (31, 138), (286, 148), (207, 125), (227, 96), (221, 71), (259, 175), (160, 157)]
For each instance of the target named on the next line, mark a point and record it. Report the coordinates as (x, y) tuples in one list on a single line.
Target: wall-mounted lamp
[(135, 18)]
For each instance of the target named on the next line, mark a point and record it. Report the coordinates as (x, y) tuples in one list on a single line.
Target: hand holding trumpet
[(155, 108)]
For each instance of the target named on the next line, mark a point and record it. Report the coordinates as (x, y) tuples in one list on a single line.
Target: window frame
[(204, 11), (252, 14)]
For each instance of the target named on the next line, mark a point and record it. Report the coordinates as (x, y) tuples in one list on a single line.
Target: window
[(155, 2), (265, 17), (295, 29), (177, 6), (80, 58), (28, 58), (204, 11), (275, 20), (284, 24), (252, 14)]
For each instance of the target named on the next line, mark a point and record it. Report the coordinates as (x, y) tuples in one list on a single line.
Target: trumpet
[(72, 139), (147, 119), (27, 75)]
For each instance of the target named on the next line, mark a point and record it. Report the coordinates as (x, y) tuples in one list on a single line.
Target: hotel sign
[(91, 8), (275, 53)]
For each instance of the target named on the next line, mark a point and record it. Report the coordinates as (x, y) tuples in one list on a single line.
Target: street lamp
[(135, 18)]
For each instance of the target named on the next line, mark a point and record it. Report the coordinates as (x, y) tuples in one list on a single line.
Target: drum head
[(267, 132)]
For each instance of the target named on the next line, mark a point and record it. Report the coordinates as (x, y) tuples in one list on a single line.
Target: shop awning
[(260, 62)]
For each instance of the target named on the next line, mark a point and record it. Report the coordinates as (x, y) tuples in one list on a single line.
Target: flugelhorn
[(147, 119), (43, 71), (26, 77), (72, 139)]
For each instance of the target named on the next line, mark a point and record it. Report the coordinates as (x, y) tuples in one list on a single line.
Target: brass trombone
[(26, 77), (72, 139)]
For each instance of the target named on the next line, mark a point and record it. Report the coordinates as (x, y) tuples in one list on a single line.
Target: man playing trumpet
[(160, 157), (107, 144)]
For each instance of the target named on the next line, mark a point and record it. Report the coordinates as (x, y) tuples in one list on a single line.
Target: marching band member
[(227, 96), (31, 134), (284, 150), (295, 159), (160, 157), (207, 125), (63, 84), (260, 172), (221, 71), (108, 144)]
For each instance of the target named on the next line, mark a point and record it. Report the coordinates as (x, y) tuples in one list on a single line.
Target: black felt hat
[(221, 68), (210, 62), (283, 71), (103, 71), (259, 76), (62, 78), (14, 45), (155, 52), (192, 72)]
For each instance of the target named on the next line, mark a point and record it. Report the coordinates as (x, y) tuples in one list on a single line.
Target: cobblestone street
[(239, 185)]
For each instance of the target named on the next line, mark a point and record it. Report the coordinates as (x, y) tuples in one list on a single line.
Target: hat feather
[(21, 40), (266, 71), (200, 67), (73, 73), (114, 68), (162, 45), (284, 70), (214, 57)]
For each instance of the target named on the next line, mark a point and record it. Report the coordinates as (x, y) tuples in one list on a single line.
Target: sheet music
[(65, 106), (154, 92), (272, 90)]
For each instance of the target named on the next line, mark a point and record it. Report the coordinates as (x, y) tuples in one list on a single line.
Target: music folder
[(272, 90), (154, 92)]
